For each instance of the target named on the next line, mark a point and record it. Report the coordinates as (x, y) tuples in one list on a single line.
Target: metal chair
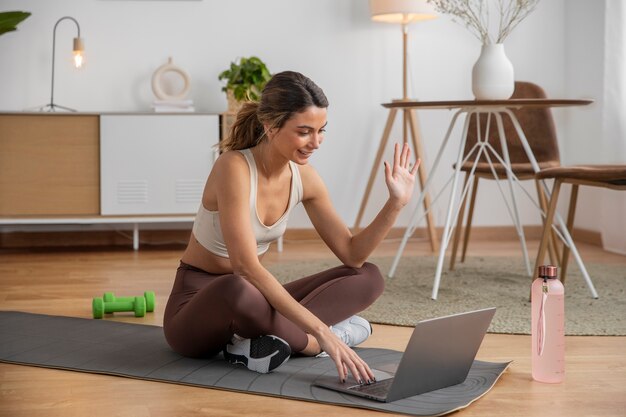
[(538, 126)]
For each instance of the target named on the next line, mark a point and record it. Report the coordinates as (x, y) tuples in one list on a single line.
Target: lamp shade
[(401, 11)]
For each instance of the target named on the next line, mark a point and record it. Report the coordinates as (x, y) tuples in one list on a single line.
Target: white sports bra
[(207, 228)]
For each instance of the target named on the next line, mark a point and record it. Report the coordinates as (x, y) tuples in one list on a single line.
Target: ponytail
[(246, 132)]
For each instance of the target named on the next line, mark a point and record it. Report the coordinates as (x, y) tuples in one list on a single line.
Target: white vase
[(492, 74)]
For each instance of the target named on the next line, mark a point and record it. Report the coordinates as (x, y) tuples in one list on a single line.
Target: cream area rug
[(483, 282)]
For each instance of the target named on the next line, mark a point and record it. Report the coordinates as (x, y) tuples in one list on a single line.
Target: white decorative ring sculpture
[(157, 82)]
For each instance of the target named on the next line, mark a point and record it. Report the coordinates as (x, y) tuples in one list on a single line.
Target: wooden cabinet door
[(49, 165)]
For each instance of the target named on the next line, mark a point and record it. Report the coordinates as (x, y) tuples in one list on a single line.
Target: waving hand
[(400, 178)]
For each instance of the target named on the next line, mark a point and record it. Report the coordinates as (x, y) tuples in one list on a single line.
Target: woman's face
[(301, 135)]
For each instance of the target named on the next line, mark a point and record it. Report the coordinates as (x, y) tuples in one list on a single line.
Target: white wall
[(584, 77), (596, 49), (614, 123), (356, 61)]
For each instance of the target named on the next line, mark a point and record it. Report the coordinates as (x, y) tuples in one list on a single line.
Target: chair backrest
[(536, 123)]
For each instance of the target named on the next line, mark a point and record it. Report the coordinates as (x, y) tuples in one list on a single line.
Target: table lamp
[(402, 12), (78, 50)]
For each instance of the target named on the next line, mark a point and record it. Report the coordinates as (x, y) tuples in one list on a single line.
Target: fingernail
[(343, 381), (360, 382)]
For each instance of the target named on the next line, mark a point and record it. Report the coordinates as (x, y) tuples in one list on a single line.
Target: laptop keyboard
[(379, 388)]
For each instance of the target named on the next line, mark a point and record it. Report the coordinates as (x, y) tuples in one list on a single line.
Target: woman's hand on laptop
[(345, 359)]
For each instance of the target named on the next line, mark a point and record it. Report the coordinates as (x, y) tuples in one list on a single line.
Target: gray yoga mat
[(140, 351)]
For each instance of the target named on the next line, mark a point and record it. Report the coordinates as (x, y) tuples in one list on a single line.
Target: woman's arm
[(353, 250), (234, 208)]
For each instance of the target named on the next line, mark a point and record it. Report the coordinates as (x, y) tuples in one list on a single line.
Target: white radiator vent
[(132, 192), (189, 191)]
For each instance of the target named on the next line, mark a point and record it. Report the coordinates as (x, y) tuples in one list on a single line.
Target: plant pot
[(492, 75), (233, 104)]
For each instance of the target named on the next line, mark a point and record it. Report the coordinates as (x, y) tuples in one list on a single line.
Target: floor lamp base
[(51, 107), (409, 125)]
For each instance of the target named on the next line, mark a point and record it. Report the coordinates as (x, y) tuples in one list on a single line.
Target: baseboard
[(590, 237), (14, 240)]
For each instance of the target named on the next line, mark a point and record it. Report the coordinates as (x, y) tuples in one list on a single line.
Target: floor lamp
[(78, 49), (402, 12)]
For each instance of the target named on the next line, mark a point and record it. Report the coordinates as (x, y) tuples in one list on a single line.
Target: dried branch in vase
[(475, 15)]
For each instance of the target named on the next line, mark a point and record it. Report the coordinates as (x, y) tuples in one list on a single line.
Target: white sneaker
[(353, 331), (263, 354)]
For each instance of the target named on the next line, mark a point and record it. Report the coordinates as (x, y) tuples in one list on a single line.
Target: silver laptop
[(440, 353)]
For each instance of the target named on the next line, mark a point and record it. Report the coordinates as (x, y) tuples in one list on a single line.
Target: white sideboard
[(155, 164), (93, 168)]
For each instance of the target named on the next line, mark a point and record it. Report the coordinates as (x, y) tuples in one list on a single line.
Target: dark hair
[(285, 94)]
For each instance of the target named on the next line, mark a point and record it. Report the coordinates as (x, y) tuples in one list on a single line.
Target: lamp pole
[(405, 39), (405, 94), (409, 122), (78, 48)]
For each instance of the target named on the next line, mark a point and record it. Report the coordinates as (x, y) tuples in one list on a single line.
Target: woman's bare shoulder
[(307, 171), (230, 157), (230, 172), (230, 162), (312, 183)]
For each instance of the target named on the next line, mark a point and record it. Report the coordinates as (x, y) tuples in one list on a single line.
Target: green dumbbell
[(148, 295), (136, 304)]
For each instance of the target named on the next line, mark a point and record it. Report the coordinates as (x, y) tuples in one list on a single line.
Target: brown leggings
[(205, 310)]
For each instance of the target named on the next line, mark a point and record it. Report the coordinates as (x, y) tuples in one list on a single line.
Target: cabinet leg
[(135, 236)]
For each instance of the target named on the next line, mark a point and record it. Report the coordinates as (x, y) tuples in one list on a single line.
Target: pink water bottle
[(548, 326)]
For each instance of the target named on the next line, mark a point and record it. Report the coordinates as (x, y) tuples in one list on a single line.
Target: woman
[(223, 299)]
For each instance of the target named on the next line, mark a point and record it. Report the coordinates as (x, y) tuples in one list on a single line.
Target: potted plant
[(10, 20), (245, 80)]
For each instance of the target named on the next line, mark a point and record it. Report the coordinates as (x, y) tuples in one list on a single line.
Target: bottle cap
[(547, 271)]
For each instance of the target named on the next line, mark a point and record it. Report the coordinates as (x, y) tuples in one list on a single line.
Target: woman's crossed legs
[(205, 310)]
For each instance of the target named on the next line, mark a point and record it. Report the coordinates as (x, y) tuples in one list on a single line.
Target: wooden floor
[(63, 281)]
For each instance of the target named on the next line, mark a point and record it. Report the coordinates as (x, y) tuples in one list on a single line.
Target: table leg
[(561, 224), (553, 249), (545, 236), (459, 224), (570, 225), (414, 216), (423, 176), (509, 174), (446, 237), (470, 216)]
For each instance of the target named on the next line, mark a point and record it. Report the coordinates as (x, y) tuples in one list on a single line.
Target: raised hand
[(401, 179)]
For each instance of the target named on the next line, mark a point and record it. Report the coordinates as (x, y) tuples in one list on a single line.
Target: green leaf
[(246, 78), (10, 20)]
